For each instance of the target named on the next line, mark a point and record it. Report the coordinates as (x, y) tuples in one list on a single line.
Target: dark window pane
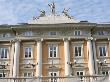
[(50, 53), (78, 73), (104, 51), (81, 73), (100, 50), (106, 72), (6, 51), (0, 75), (54, 53), (79, 48), (78, 32), (76, 51)]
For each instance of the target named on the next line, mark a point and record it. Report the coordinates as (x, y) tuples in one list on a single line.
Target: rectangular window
[(4, 52), (53, 33), (53, 75), (105, 72), (77, 51), (28, 33), (102, 51), (28, 52), (2, 75), (101, 33), (80, 73), (52, 51), (27, 74), (77, 32)]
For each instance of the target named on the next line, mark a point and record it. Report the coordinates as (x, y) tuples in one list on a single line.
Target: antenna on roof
[(52, 7)]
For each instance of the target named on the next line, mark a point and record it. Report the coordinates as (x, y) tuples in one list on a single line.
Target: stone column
[(67, 57), (11, 56), (39, 58), (90, 57), (108, 60), (95, 57), (16, 59)]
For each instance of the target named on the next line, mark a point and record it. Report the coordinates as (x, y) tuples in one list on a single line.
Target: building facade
[(54, 45)]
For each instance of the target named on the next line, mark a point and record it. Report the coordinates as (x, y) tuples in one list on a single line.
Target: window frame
[(51, 33), (51, 79), (28, 33), (102, 33), (53, 51), (28, 51), (103, 46), (79, 73), (105, 73), (27, 74), (5, 56), (2, 74), (6, 35), (77, 45), (77, 32)]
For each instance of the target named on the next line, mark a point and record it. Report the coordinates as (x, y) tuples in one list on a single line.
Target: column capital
[(67, 39), (15, 40), (39, 39)]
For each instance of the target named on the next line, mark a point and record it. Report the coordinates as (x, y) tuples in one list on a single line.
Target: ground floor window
[(80, 73), (52, 76)]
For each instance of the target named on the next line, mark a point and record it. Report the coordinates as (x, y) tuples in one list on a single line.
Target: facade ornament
[(52, 7), (35, 18)]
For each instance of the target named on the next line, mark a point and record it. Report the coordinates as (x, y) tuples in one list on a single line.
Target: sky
[(21, 11)]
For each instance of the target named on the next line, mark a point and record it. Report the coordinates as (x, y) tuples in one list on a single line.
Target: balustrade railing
[(58, 79)]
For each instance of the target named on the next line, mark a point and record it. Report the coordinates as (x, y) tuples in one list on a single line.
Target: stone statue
[(65, 12), (52, 7), (42, 13)]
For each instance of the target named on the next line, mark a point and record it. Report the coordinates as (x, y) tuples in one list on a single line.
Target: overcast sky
[(20, 11)]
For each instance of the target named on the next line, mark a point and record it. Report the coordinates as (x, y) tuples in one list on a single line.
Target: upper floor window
[(101, 32), (28, 33), (53, 33), (77, 51), (28, 52), (52, 50), (105, 73), (102, 50), (77, 32), (4, 52), (27, 74), (5, 35)]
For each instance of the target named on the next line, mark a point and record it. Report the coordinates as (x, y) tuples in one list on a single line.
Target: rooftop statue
[(42, 13), (65, 12)]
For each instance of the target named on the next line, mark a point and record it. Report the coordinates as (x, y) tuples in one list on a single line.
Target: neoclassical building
[(54, 45)]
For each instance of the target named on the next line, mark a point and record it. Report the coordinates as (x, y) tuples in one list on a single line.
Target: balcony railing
[(59, 79)]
